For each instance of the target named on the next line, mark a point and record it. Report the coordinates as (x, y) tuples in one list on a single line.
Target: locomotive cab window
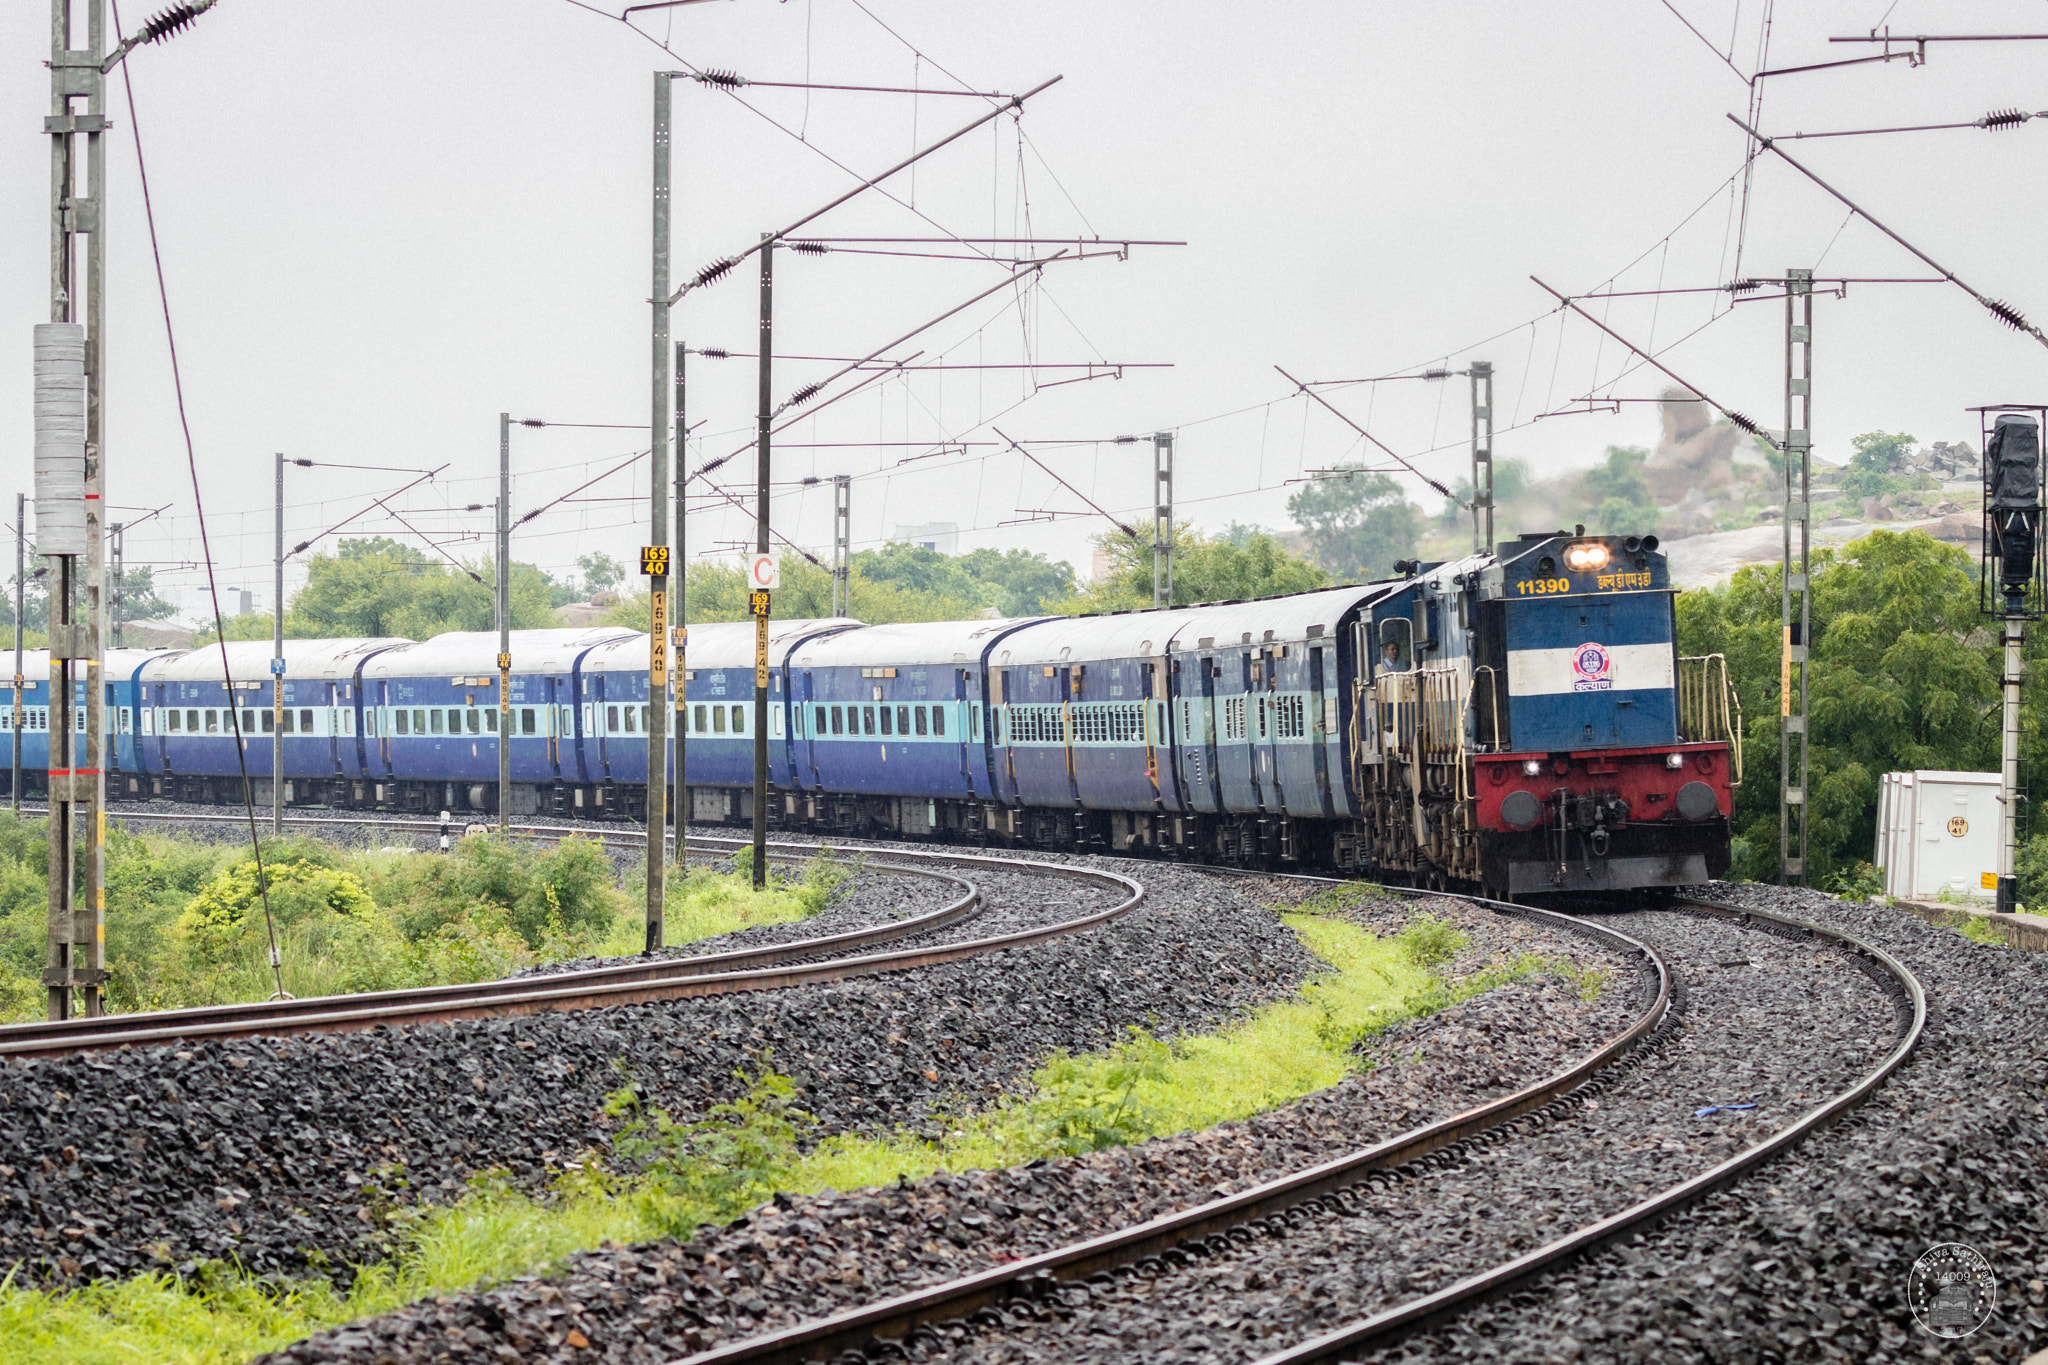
[(1397, 644)]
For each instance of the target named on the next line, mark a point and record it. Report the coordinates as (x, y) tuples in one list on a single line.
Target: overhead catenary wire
[(1999, 309), (1731, 414), (199, 507), (1390, 451), (718, 269)]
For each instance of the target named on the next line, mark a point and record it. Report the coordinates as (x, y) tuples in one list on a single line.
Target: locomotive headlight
[(1674, 761), (1532, 767), (1586, 558)]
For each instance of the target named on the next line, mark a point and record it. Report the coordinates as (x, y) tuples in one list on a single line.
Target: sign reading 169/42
[(654, 560)]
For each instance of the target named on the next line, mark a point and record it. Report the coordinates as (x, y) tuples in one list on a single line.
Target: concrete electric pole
[(70, 371), (654, 559)]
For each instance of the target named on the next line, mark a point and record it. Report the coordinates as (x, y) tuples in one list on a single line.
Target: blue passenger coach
[(890, 712), (430, 720), (119, 719), (717, 713), (189, 714)]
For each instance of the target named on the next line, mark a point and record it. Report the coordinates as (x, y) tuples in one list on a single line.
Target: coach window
[(490, 714), (631, 728), (939, 721), (526, 720), (885, 722), (867, 719), (475, 719), (921, 722), (718, 720), (454, 721), (402, 727), (902, 720), (419, 720), (697, 726), (611, 720), (248, 722), (192, 722), (172, 722), (433, 716), (643, 718), (838, 720), (739, 720), (820, 718)]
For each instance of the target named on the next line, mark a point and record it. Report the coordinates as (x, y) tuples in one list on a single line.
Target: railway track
[(1217, 1228), (632, 981)]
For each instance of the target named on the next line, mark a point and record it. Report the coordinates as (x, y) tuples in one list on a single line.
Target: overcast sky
[(383, 223)]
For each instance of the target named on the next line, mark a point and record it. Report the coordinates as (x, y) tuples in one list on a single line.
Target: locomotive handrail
[(1699, 717)]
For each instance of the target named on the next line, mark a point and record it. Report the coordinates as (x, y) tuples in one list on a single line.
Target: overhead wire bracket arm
[(720, 268), (1730, 413), (2004, 312), (1121, 525), (1391, 453), (309, 543), (810, 391)]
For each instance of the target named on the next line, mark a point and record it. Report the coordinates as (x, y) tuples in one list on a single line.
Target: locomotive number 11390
[(1536, 587)]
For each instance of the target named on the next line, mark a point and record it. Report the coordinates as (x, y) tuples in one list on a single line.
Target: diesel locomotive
[(1517, 720)]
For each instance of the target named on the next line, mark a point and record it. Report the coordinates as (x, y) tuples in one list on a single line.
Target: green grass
[(186, 922), (670, 1176)]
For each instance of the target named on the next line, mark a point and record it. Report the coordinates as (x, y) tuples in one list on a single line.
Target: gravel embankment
[(1808, 1260), (1824, 1021), (260, 1150), (805, 1256)]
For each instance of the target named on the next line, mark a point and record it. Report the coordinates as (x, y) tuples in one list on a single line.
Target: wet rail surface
[(628, 981)]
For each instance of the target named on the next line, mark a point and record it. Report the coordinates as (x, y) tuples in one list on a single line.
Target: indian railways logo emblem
[(1951, 1290), (1591, 665)]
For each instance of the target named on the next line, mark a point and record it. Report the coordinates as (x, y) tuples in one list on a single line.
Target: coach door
[(807, 722), (1198, 751), (1322, 712)]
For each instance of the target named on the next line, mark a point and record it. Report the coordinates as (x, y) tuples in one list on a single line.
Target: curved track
[(628, 982), (1210, 1228)]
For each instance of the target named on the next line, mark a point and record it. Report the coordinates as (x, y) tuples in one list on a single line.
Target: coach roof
[(249, 660), (717, 644), (466, 653), (912, 644)]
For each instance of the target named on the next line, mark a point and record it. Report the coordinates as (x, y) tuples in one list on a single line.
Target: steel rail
[(72, 1035), (1435, 1309), (628, 985), (896, 1317)]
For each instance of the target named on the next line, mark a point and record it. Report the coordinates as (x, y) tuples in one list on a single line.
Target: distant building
[(943, 536)]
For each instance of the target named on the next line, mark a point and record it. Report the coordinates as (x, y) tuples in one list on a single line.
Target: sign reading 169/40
[(654, 560)]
